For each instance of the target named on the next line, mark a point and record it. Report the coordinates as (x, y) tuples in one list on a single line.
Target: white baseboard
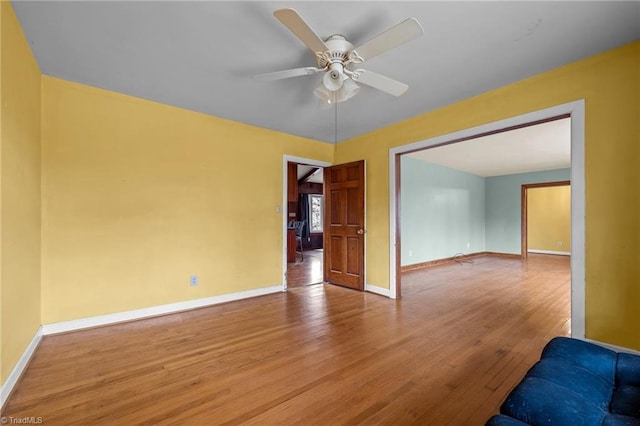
[(7, 386), (614, 347), (560, 253), (64, 326), (377, 290)]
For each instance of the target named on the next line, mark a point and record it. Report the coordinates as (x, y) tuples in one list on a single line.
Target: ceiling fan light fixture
[(348, 90), (334, 77), (330, 83), (323, 94)]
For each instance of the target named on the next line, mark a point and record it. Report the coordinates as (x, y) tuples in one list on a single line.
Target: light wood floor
[(448, 352), (306, 271)]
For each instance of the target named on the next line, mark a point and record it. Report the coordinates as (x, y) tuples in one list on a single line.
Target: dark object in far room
[(299, 225)]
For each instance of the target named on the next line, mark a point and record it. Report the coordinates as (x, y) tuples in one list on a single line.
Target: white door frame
[(285, 219), (577, 111)]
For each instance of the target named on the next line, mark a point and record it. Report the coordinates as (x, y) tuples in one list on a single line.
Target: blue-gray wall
[(503, 202), (443, 210)]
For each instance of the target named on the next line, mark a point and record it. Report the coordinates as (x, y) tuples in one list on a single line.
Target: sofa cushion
[(618, 420), (626, 401), (577, 379), (587, 355), (538, 401), (576, 383), (628, 370)]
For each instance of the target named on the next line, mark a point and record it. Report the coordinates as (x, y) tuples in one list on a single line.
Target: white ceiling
[(544, 146), (201, 55)]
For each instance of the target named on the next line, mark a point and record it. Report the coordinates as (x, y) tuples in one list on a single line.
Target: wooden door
[(344, 225)]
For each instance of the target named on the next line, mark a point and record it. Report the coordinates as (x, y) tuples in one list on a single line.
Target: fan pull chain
[(335, 128)]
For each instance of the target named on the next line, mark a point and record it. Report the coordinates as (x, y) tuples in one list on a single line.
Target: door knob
[(360, 231)]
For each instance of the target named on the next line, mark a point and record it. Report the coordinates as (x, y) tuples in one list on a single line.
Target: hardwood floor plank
[(309, 270), (448, 352)]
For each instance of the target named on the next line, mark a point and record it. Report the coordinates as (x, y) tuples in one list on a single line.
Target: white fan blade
[(300, 29), (280, 75), (402, 33), (380, 82)]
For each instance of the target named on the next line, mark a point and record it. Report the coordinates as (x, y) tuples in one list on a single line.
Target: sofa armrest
[(590, 356), (628, 370), (538, 401)]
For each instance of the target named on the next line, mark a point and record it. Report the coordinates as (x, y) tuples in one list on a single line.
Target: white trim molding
[(18, 369), (79, 324), (614, 347), (558, 253), (377, 290), (576, 110)]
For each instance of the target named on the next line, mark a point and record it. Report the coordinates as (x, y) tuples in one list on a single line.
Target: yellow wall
[(138, 196), (2, 364), (19, 191), (610, 85), (549, 218)]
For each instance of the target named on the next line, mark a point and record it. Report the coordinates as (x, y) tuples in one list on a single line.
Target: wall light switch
[(278, 209)]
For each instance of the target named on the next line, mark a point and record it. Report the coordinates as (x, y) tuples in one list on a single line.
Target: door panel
[(353, 248), (336, 256), (353, 207), (335, 208), (344, 224)]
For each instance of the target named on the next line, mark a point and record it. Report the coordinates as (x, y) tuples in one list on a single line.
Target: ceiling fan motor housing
[(338, 53)]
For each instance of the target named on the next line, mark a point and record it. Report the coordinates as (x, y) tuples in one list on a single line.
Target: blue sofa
[(575, 383)]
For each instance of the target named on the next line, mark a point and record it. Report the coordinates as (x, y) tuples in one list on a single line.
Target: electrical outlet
[(193, 280), (410, 253), (468, 245)]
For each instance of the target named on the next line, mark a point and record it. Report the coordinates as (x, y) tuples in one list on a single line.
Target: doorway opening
[(546, 218), (575, 112), (343, 222), (290, 195), (305, 227)]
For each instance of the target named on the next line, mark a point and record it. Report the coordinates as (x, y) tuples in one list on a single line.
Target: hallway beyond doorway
[(306, 272)]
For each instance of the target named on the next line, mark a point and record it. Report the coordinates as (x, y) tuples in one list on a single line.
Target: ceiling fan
[(338, 58)]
